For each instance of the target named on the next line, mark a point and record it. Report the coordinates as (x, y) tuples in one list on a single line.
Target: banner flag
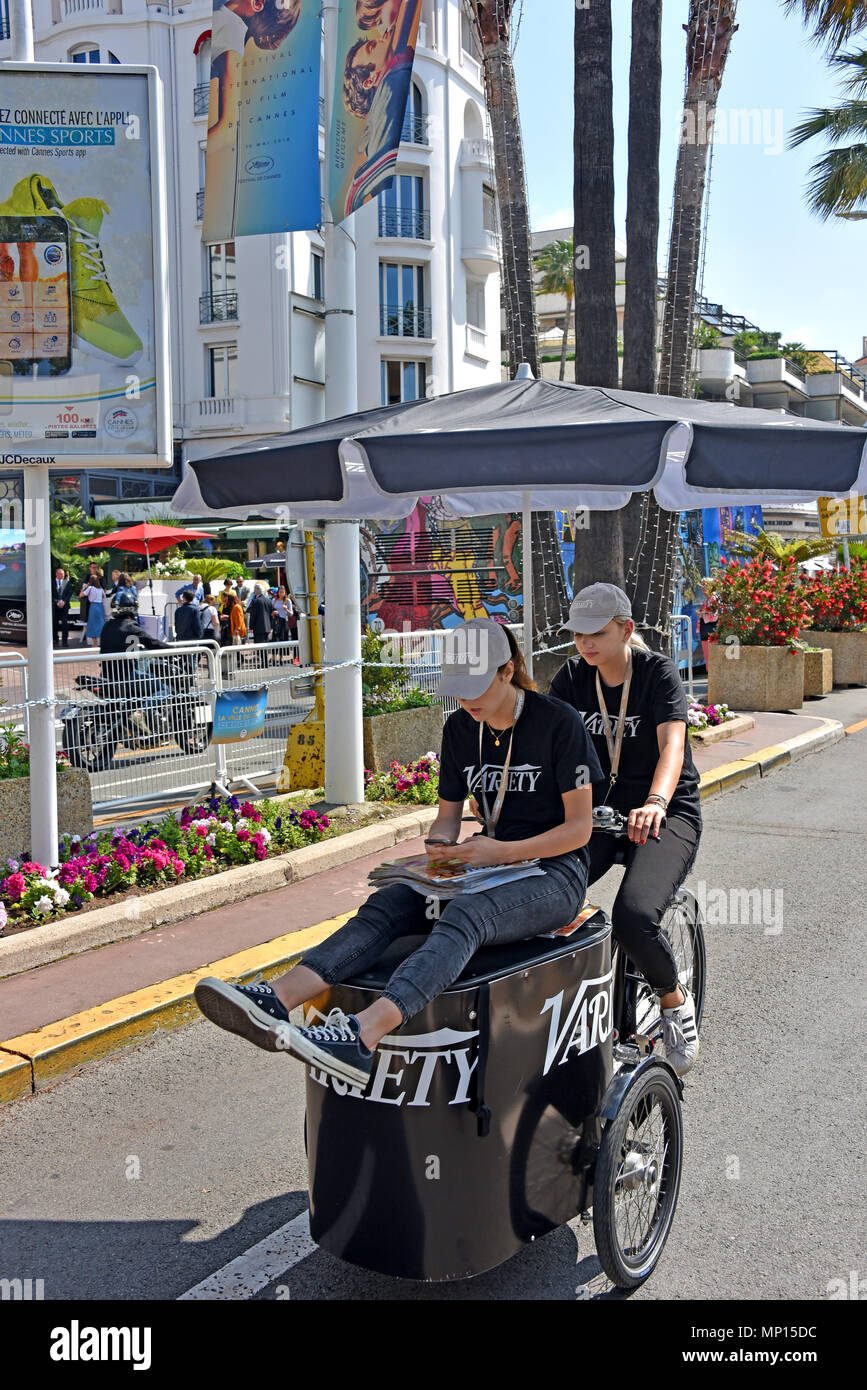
[(262, 158), (375, 50), (239, 715)]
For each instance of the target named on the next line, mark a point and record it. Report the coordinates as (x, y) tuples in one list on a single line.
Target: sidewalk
[(59, 1015)]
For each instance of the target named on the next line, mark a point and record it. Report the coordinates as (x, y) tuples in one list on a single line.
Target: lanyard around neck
[(614, 745), (491, 817)]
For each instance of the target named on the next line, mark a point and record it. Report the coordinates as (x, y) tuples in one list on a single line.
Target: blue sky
[(768, 258)]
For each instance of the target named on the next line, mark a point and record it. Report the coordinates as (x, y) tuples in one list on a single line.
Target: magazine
[(449, 881)]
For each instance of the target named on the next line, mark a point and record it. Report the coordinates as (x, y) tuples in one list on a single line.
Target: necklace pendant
[(496, 743)]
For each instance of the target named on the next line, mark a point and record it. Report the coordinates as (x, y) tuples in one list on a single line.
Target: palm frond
[(839, 182), (853, 68), (831, 21), (834, 122)]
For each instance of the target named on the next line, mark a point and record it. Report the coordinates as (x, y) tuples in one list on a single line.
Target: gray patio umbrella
[(495, 447), (528, 445)]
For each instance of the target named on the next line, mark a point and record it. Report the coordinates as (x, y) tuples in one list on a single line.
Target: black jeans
[(654, 872), (512, 912)]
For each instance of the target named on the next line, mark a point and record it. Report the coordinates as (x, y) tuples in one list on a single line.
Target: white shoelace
[(91, 251), (335, 1029)]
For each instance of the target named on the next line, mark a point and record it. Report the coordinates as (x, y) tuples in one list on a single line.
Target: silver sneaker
[(680, 1035)]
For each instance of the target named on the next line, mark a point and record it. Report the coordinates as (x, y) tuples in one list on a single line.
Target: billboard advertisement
[(375, 52), (84, 358), (239, 715), (13, 585), (262, 158)]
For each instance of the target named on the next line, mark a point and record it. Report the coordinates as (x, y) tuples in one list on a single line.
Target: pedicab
[(531, 1091)]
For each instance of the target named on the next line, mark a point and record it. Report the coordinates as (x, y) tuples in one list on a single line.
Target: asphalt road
[(141, 1176)]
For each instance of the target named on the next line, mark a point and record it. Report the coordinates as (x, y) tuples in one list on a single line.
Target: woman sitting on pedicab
[(531, 765), (634, 708)]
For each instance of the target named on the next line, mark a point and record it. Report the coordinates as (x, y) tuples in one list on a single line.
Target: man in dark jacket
[(130, 680), (61, 594), (188, 624), (259, 620)]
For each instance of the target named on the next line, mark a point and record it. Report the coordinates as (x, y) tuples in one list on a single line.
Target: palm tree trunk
[(709, 34), (565, 338), (599, 550), (550, 597), (640, 319)]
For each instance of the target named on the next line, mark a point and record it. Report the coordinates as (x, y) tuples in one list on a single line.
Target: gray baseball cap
[(594, 607), (473, 652)]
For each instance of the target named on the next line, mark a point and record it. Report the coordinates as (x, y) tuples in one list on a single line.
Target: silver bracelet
[(658, 799)]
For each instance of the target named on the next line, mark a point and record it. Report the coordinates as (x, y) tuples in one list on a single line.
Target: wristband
[(657, 799)]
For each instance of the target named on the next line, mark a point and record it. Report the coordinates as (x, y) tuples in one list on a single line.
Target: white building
[(247, 317)]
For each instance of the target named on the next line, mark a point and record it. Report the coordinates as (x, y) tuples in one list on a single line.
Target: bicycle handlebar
[(609, 821)]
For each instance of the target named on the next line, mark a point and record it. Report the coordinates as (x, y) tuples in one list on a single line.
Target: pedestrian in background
[(61, 595), (95, 595), (188, 627)]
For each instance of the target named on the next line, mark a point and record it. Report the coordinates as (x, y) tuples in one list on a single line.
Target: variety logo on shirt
[(521, 779), (594, 725)]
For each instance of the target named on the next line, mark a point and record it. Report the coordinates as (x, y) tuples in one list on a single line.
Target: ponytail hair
[(520, 677), (635, 641)]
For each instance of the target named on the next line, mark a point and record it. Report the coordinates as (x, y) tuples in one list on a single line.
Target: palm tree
[(642, 198), (832, 21), (771, 546), (600, 554), (838, 186), (557, 264), (492, 21), (709, 31)]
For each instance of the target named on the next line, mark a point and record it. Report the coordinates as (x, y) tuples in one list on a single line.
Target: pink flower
[(243, 834), (30, 868), (201, 831), (16, 884)]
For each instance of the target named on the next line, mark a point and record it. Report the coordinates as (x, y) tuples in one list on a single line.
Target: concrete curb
[(131, 917), (37, 1059)]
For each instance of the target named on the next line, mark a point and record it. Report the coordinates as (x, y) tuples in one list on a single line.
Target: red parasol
[(145, 539)]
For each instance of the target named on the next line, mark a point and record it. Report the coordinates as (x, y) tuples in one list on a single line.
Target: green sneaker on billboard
[(97, 320)]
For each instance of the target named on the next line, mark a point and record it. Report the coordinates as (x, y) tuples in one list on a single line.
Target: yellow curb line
[(856, 728), (53, 1051), (35, 1059)]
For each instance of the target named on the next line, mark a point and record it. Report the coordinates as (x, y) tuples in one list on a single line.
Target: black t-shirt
[(656, 696), (551, 754)]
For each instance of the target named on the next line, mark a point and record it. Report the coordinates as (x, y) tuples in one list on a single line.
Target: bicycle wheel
[(638, 1178), (683, 928), (89, 743)]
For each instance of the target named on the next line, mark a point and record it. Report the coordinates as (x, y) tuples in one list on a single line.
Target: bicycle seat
[(491, 962)]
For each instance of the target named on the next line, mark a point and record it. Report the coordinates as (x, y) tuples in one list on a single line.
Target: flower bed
[(219, 833), (706, 716), (759, 604), (838, 600), (415, 784), (15, 755)]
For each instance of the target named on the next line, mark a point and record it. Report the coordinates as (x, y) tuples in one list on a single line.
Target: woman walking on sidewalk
[(634, 708), (532, 757)]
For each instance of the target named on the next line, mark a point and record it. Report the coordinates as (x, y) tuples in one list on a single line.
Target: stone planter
[(74, 809), (757, 678), (849, 653), (818, 673), (401, 737)]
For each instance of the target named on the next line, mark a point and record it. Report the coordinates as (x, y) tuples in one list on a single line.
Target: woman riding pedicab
[(633, 706), (530, 763)]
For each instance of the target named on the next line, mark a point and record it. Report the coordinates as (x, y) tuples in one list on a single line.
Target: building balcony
[(218, 308), (477, 154), (718, 368), (215, 413), (200, 204), (477, 343), (472, 68), (64, 10), (483, 255), (776, 382), (414, 130), (404, 222), (404, 321), (200, 98)]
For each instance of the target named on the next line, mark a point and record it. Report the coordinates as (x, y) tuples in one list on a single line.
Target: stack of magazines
[(449, 881)]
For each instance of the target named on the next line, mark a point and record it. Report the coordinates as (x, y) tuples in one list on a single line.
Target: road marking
[(856, 728), (260, 1265)]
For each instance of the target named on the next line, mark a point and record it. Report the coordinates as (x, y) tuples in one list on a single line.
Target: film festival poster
[(375, 51), (262, 157)]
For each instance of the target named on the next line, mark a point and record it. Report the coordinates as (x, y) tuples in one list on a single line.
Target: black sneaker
[(252, 1011), (334, 1045)]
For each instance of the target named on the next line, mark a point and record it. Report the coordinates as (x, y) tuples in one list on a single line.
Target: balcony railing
[(5, 32), (200, 98), (414, 130), (403, 321), (855, 378), (477, 341), (218, 308), (404, 222), (69, 9), (200, 204)]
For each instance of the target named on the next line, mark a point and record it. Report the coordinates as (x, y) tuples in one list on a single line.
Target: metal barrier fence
[(140, 722), (681, 648)]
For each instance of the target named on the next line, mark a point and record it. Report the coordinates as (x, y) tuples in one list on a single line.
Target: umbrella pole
[(150, 580), (527, 553)]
